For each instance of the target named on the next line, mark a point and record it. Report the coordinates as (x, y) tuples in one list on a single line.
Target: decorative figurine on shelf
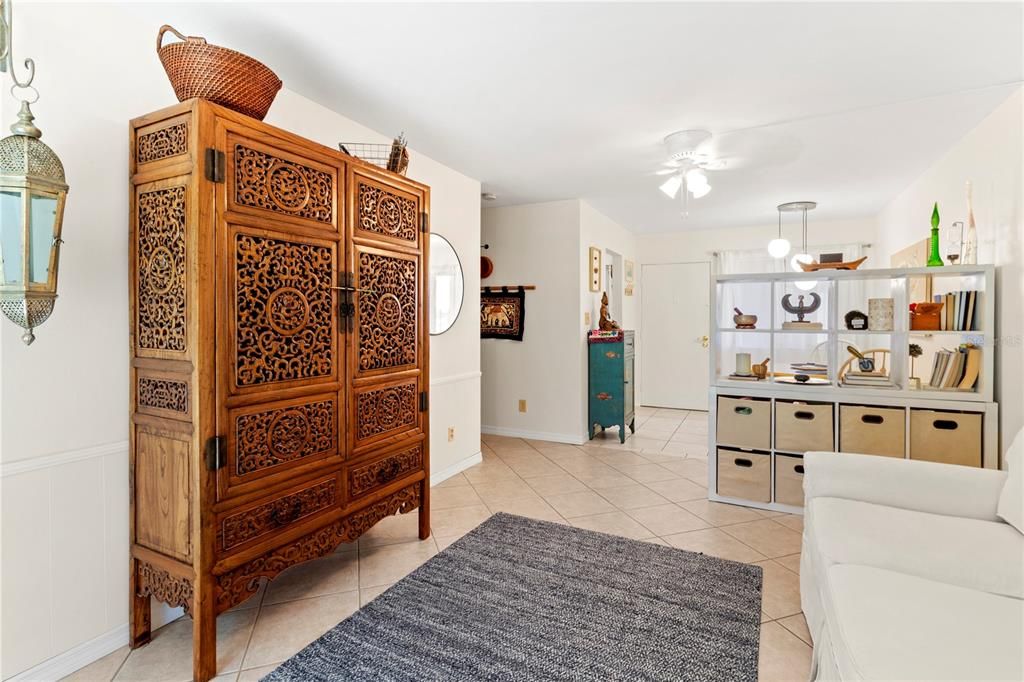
[(801, 309), (970, 245), (744, 321), (915, 351), (934, 259), (856, 320), (606, 323)]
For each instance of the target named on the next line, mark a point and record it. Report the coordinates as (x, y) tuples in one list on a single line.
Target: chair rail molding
[(455, 378), (23, 466)]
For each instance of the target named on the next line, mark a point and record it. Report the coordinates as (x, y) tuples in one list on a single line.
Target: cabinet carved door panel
[(384, 211), (271, 182), (388, 343), (280, 352)]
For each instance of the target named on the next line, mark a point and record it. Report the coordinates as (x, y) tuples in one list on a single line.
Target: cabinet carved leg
[(204, 637), (139, 618), (425, 510)]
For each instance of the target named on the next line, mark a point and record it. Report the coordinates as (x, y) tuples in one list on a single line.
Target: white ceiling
[(842, 103)]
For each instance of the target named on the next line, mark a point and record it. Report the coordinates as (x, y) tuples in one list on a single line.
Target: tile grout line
[(255, 622)]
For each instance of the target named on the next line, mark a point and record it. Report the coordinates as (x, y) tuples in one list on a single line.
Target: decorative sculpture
[(606, 323), (801, 309)]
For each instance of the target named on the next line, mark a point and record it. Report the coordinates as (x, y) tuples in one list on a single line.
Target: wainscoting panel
[(65, 561), (65, 540)]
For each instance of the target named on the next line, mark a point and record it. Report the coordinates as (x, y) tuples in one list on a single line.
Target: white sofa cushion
[(1011, 500), (982, 555), (884, 625)]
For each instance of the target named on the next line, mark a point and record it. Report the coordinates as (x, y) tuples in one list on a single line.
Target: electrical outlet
[(586, 318), (451, 433), (522, 406)]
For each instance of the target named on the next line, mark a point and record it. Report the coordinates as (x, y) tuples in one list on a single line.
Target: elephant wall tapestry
[(501, 314)]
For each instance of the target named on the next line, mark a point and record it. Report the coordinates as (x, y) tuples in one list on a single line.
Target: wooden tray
[(848, 265)]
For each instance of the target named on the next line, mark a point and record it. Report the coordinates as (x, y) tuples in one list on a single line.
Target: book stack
[(874, 379), (956, 369), (813, 369), (958, 311)]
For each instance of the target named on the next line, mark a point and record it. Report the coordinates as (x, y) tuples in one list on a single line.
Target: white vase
[(880, 314)]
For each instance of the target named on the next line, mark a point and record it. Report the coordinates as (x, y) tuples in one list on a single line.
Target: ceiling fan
[(687, 165)]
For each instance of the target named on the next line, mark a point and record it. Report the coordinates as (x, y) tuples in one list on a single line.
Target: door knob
[(704, 341)]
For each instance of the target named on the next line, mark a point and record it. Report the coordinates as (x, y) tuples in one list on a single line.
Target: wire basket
[(393, 157)]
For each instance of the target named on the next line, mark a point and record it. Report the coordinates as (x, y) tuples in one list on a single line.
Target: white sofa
[(908, 572)]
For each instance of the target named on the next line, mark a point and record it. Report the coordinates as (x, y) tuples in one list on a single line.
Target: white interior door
[(674, 326)]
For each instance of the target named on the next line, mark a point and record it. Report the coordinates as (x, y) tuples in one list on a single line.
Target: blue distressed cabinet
[(611, 381)]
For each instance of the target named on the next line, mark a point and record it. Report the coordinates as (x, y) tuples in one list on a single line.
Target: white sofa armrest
[(920, 486)]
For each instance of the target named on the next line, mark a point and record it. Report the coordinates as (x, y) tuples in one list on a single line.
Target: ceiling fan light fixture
[(700, 190), (697, 182), (670, 187)]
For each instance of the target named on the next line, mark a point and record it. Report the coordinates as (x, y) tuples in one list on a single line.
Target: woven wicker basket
[(220, 75)]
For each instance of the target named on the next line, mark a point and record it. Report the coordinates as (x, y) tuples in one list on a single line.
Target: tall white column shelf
[(841, 291)]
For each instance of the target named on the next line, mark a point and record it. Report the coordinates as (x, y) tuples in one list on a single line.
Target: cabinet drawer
[(947, 437), (789, 480), (801, 427), (744, 422), (744, 475), (366, 476), (239, 528), (872, 430)]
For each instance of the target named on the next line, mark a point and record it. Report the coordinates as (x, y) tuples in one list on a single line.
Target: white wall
[(600, 231), (547, 245), (64, 401), (536, 244), (990, 157)]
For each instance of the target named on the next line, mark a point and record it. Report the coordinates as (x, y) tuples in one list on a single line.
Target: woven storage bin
[(217, 74)]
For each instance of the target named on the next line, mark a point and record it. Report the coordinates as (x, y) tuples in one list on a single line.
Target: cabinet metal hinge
[(214, 165), (216, 454), (424, 401), (424, 222)]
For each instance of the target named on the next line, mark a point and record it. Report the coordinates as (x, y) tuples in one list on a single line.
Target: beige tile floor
[(652, 488)]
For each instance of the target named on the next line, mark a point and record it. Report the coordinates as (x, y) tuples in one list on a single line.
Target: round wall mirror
[(445, 285)]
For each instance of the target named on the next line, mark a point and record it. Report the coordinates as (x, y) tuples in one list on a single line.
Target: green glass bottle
[(934, 258)]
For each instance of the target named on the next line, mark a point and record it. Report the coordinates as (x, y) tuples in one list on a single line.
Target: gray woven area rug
[(518, 599)]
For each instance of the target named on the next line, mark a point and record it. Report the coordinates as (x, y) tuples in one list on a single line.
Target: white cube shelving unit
[(842, 291)]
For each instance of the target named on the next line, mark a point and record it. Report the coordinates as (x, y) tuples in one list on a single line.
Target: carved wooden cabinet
[(279, 361)]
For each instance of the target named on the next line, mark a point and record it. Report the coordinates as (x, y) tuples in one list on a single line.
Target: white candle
[(743, 363)]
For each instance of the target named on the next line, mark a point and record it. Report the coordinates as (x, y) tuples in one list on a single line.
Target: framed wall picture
[(915, 256), (595, 268), (629, 272)]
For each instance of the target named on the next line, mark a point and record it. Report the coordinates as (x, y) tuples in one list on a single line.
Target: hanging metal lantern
[(32, 195)]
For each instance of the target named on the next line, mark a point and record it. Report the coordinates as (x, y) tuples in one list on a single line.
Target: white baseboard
[(532, 435), (74, 659), (457, 468)]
